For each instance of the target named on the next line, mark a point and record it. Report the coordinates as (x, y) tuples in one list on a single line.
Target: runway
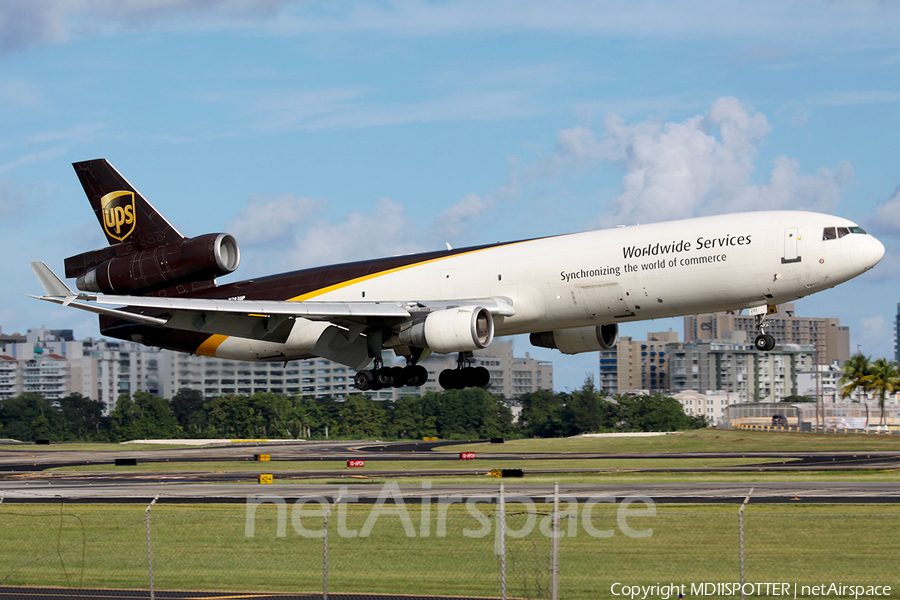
[(32, 459), (22, 476)]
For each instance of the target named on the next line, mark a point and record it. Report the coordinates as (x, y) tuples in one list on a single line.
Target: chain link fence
[(495, 546)]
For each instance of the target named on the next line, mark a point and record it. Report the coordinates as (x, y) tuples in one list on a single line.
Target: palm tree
[(857, 378), (884, 378)]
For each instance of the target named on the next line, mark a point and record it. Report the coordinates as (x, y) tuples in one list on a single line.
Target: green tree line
[(453, 414)]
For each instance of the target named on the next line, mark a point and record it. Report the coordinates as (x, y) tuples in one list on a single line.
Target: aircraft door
[(791, 246)]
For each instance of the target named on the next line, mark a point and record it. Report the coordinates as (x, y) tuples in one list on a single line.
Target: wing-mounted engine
[(458, 329), (126, 269), (579, 339)]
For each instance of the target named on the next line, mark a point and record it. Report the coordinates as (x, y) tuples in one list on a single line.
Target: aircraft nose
[(874, 252)]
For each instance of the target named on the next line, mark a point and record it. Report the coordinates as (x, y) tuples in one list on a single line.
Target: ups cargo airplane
[(154, 286)]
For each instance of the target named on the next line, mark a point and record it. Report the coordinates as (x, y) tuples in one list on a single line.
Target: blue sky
[(321, 132)]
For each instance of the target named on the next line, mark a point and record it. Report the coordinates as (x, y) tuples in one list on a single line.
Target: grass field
[(198, 547), (700, 440)]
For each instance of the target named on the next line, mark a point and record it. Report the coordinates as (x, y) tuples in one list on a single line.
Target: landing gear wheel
[(384, 377), (481, 377), (363, 380), (764, 342), (451, 379), (415, 375), (398, 375)]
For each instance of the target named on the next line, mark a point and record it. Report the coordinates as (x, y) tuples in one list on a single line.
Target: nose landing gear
[(763, 342)]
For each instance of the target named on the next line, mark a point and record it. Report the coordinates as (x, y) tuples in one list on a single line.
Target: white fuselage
[(693, 266)]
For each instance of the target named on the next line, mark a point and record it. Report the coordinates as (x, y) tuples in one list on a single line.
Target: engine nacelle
[(460, 329), (197, 259), (579, 339)]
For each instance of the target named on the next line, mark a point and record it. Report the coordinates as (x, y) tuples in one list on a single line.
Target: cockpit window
[(833, 233)]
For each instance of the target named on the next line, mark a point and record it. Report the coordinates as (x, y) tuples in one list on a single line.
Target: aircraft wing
[(269, 320)]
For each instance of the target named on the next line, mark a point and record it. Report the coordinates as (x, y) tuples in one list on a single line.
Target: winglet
[(53, 285)]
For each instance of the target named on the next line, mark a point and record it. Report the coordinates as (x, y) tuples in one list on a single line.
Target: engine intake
[(196, 259), (579, 339), (460, 329)]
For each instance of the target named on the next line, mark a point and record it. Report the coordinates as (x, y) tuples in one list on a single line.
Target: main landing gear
[(381, 377), (464, 375), (763, 342)]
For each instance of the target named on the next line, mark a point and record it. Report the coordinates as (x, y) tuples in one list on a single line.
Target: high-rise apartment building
[(54, 364), (897, 335), (510, 376), (732, 366), (830, 340), (636, 365), (735, 367)]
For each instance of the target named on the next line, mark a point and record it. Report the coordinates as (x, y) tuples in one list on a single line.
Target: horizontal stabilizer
[(52, 284)]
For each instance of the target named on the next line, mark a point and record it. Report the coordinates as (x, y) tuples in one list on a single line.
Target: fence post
[(150, 547), (325, 548), (741, 538), (554, 574), (501, 539)]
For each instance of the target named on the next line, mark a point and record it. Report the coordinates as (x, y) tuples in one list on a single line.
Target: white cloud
[(32, 158), (267, 221), (353, 108), (787, 188), (25, 23), (884, 222), (886, 217), (802, 21), (288, 232), (451, 222), (383, 231), (702, 165)]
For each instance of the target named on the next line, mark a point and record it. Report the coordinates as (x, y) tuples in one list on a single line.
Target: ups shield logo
[(118, 214)]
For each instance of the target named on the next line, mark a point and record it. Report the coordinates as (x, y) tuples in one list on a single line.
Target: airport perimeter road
[(769, 492)]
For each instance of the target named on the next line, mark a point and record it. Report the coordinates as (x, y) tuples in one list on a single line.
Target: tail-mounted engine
[(123, 269), (580, 339)]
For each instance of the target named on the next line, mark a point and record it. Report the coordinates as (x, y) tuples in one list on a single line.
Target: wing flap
[(270, 328), (308, 309)]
